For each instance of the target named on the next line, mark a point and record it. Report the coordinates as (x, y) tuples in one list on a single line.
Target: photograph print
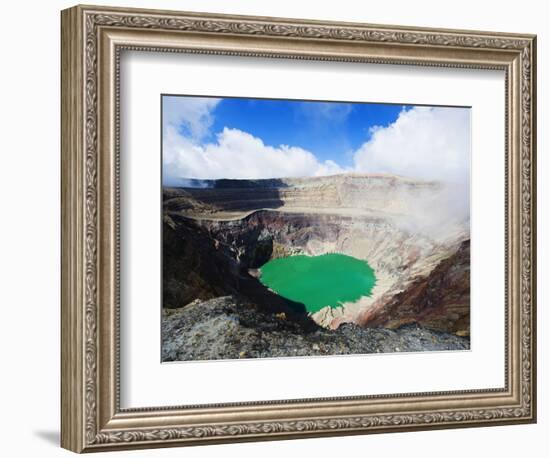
[(300, 228)]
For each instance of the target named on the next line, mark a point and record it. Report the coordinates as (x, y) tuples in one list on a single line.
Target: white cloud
[(234, 153), (192, 115), (424, 142), (431, 143), (237, 154)]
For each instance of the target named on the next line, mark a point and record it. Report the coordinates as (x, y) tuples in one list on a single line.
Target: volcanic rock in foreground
[(226, 328)]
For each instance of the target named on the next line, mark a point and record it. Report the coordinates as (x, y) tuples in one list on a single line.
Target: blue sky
[(212, 138), (329, 130)]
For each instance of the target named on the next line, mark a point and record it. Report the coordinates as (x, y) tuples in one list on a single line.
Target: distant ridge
[(242, 183)]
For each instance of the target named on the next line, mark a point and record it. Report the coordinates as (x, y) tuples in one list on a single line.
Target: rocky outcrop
[(226, 328)]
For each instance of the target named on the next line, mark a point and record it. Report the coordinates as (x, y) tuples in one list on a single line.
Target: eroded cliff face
[(439, 301), (407, 230)]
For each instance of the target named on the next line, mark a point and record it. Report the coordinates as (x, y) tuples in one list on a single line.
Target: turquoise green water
[(319, 281)]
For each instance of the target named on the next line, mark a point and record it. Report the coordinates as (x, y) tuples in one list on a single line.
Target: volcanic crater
[(217, 234)]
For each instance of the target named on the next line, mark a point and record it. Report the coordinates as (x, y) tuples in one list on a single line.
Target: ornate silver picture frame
[(93, 39)]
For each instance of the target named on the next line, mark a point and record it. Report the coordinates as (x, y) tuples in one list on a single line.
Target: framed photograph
[(278, 228)]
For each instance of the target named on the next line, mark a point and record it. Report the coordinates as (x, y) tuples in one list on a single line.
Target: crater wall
[(404, 228)]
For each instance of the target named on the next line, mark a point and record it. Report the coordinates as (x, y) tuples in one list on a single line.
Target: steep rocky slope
[(197, 266), (439, 301)]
